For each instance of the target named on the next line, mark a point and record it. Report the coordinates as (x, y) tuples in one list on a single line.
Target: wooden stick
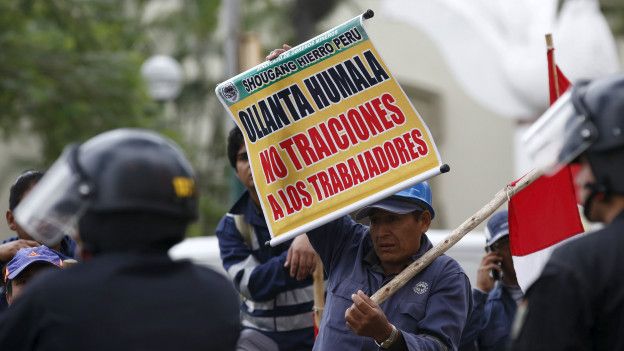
[(549, 41), (319, 293), (417, 266), (550, 46)]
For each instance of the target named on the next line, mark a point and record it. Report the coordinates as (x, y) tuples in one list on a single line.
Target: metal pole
[(231, 12), (231, 42)]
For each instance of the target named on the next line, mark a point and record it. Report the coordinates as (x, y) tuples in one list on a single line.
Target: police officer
[(578, 302), (127, 196), (428, 313)]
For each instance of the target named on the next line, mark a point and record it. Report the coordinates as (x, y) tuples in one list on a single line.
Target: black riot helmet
[(601, 102), (589, 122), (124, 189)]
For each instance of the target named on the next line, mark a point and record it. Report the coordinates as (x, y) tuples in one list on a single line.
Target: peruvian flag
[(544, 214)]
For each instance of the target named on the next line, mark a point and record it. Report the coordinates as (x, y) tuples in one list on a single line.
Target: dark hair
[(234, 143), (22, 184)]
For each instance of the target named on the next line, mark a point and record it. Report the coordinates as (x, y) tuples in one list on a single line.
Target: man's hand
[(275, 53), (8, 250), (301, 258), (366, 318), (490, 262)]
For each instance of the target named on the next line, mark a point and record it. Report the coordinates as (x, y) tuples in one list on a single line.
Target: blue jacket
[(490, 323), (273, 302), (430, 311)]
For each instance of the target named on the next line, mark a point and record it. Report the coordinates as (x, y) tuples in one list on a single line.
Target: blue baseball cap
[(27, 256), (414, 198), (497, 228)]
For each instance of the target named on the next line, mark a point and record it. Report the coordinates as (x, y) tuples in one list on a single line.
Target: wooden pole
[(549, 41), (319, 293), (550, 47), (417, 266)]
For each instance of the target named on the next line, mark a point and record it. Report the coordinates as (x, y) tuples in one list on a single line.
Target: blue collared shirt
[(430, 310)]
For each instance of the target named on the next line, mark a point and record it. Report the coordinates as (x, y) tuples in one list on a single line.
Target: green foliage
[(614, 12), (70, 70)]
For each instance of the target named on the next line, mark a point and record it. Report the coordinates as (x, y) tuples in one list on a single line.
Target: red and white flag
[(544, 214)]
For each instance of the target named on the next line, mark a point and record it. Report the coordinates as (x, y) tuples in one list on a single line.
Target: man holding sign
[(428, 313), (329, 131)]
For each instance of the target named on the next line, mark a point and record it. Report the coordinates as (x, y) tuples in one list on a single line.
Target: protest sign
[(328, 130)]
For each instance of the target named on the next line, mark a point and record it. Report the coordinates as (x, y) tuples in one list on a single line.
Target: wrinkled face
[(396, 237), (243, 169)]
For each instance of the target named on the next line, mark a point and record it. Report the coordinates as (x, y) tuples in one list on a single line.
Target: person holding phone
[(497, 293)]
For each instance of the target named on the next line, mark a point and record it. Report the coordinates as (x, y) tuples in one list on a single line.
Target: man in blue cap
[(427, 313), (497, 294), (25, 265)]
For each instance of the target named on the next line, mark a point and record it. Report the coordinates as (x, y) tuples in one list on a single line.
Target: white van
[(468, 251)]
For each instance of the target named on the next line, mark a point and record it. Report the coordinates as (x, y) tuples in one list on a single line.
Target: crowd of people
[(119, 201)]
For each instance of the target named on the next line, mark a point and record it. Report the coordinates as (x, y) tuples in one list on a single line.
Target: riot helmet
[(602, 101), (587, 121), (127, 186)]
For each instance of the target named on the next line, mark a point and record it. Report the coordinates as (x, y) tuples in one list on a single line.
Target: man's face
[(501, 248), (583, 177), (14, 226), (396, 237), (12, 223), (243, 169)]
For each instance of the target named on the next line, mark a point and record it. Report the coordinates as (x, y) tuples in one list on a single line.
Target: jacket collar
[(245, 206)]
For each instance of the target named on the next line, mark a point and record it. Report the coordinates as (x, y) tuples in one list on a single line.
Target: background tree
[(614, 12), (70, 69)]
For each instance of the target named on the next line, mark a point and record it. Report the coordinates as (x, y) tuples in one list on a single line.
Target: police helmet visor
[(559, 136), (54, 206)]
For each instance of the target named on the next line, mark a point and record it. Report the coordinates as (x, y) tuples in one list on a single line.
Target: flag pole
[(469, 224), (319, 294), (550, 49)]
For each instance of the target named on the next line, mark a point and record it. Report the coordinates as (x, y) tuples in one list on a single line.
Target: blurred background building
[(476, 72)]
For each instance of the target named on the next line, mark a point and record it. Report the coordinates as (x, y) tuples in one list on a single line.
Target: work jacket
[(430, 310), (273, 302)]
